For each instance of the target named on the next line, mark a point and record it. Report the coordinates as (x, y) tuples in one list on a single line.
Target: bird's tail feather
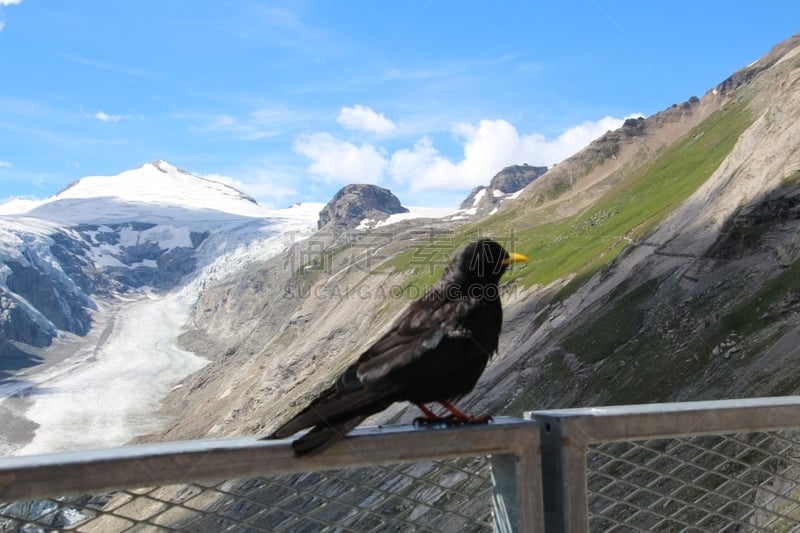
[(322, 436), (331, 411)]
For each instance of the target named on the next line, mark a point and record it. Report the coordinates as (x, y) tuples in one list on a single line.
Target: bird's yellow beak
[(514, 257)]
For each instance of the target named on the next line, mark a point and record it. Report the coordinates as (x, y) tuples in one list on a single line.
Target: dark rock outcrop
[(512, 179), (355, 203), (17, 325), (506, 182), (59, 303)]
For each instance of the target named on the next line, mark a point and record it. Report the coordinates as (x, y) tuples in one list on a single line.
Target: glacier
[(104, 275)]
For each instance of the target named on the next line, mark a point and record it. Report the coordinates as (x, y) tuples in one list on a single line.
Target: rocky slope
[(650, 248)]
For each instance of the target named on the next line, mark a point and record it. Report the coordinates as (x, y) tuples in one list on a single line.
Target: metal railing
[(730, 465), (439, 479)]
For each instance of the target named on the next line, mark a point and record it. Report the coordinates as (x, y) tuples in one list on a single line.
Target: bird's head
[(482, 261)]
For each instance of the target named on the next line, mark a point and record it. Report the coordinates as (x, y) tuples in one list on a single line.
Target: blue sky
[(289, 101)]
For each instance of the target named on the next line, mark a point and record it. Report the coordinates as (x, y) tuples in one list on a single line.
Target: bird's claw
[(424, 421)]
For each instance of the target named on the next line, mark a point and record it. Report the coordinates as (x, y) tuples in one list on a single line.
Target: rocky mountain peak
[(505, 183), (357, 202), (515, 177)]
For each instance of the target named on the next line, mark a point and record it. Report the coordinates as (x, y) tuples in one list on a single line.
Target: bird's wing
[(432, 337)]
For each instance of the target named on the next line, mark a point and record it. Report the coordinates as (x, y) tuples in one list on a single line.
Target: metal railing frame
[(511, 443), (566, 434), (538, 464)]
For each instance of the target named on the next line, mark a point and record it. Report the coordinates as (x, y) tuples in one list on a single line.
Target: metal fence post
[(517, 488), (563, 476)]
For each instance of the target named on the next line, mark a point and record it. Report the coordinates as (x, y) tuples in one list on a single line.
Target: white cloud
[(9, 2), (105, 117), (4, 164), (341, 161), (420, 165), (359, 117), (488, 147)]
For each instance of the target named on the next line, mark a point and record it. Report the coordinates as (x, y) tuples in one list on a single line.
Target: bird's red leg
[(462, 417), (427, 412), (430, 417), (456, 417)]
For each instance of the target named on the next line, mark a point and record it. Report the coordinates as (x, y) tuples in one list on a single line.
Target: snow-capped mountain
[(93, 264), (145, 228), (155, 192)]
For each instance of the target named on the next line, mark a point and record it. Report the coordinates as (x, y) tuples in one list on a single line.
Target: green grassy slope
[(636, 202)]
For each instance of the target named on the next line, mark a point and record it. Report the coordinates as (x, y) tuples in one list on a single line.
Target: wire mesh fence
[(433, 496), (718, 465), (736, 482), (697, 466)]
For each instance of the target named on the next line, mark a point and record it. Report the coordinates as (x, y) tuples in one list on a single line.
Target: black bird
[(434, 352)]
